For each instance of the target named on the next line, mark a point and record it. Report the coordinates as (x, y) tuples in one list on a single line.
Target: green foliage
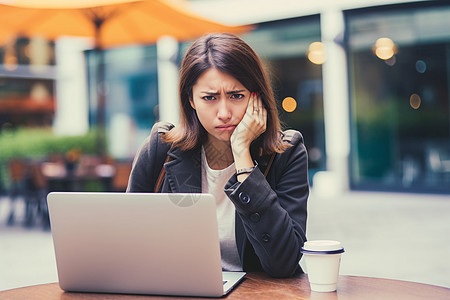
[(40, 142)]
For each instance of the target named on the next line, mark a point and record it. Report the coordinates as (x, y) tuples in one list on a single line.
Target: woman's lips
[(226, 127)]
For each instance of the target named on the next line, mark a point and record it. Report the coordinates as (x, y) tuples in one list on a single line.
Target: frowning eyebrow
[(228, 93)]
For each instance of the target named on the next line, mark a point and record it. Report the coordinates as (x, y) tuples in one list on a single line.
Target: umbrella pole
[(101, 99), (101, 91)]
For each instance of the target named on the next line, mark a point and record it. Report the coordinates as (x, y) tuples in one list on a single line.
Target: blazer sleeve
[(274, 217), (148, 161)]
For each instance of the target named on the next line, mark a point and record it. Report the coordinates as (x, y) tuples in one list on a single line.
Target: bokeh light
[(415, 101), (421, 66), (289, 104), (316, 53), (10, 62), (385, 48), (314, 154), (391, 61)]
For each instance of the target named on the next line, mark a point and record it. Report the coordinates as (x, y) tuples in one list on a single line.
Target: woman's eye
[(208, 98), (237, 96)]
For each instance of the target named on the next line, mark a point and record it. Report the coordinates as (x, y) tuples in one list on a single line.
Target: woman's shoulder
[(292, 136), (295, 149), (158, 129), (153, 145), (163, 126), (153, 140)]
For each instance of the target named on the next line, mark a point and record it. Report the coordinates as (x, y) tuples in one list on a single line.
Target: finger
[(256, 104), (263, 110), (262, 113), (255, 101), (250, 104), (260, 107)]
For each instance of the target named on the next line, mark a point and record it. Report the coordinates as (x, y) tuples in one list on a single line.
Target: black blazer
[(271, 212)]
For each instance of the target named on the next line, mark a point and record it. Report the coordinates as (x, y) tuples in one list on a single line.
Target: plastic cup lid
[(322, 247)]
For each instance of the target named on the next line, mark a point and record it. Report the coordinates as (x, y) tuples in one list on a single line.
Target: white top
[(213, 182)]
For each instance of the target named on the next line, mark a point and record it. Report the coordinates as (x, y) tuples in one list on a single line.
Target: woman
[(229, 135)]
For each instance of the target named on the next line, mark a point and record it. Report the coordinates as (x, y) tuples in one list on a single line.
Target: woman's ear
[(192, 103)]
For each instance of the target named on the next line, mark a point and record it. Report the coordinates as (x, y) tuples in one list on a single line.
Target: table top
[(260, 286)]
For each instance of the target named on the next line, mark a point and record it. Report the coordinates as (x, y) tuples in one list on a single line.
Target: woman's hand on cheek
[(252, 125)]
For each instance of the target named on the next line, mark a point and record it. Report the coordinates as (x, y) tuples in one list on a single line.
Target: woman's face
[(220, 101)]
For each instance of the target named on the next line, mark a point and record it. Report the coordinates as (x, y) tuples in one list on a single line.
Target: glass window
[(131, 96), (297, 81), (399, 64)]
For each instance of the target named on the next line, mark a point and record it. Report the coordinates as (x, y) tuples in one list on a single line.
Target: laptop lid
[(137, 243)]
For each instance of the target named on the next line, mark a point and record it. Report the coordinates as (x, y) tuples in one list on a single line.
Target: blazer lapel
[(183, 172)]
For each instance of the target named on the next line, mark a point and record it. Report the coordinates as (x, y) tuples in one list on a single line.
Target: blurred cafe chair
[(36, 210), (28, 184), (17, 173), (120, 179)]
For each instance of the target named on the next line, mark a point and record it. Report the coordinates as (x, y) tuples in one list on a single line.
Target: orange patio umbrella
[(111, 23)]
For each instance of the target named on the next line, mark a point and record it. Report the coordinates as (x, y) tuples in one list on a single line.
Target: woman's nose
[(223, 112)]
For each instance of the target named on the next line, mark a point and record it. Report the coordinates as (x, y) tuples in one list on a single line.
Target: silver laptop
[(133, 243)]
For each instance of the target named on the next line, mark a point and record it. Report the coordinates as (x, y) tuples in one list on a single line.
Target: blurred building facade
[(371, 82), (27, 79), (366, 82)]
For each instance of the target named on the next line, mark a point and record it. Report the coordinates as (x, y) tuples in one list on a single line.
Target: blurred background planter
[(41, 144)]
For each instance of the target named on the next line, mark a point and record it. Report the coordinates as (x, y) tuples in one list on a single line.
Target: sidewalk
[(397, 236), (389, 235), (26, 255)]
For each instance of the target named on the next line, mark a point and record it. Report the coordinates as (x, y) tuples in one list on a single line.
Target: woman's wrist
[(245, 170), (243, 163), (242, 158), (240, 150)]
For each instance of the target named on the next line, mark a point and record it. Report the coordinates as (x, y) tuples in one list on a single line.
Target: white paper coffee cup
[(322, 258)]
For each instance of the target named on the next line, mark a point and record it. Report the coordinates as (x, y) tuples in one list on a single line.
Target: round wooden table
[(260, 286)]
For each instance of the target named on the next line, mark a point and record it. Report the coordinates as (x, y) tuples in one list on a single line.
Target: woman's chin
[(224, 137)]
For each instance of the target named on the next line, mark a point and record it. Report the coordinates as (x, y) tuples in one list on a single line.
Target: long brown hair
[(229, 54)]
